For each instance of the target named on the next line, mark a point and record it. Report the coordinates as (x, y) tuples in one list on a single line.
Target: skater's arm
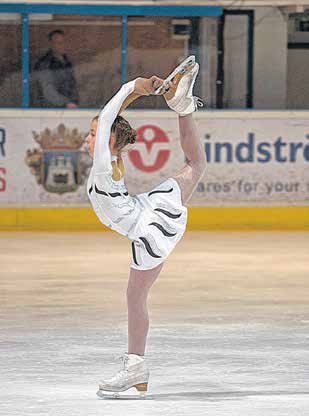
[(102, 156), (132, 97), (143, 86), (126, 95)]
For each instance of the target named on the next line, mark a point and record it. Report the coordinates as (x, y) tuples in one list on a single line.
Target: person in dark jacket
[(54, 76)]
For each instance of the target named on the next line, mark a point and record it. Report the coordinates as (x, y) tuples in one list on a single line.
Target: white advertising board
[(254, 159)]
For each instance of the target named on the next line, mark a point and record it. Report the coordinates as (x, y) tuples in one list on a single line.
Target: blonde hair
[(123, 131), (124, 135)]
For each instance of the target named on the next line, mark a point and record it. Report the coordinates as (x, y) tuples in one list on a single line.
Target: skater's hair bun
[(124, 133)]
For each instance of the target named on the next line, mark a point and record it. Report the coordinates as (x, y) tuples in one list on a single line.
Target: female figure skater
[(154, 221)]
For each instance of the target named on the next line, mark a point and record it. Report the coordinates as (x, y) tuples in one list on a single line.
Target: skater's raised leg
[(179, 97), (189, 176)]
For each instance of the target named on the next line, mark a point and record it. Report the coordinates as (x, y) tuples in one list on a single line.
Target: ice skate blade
[(181, 69), (130, 394)]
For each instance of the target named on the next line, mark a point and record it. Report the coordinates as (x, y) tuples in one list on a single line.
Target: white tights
[(140, 281)]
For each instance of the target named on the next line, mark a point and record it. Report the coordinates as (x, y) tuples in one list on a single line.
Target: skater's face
[(90, 138)]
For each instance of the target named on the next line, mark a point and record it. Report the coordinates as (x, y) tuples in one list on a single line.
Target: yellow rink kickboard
[(199, 218)]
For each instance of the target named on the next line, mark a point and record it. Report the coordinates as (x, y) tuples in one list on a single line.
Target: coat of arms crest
[(60, 165)]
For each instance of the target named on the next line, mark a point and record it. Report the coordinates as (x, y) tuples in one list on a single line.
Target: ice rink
[(229, 332)]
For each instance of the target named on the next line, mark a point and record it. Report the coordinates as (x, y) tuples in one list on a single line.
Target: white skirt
[(161, 225)]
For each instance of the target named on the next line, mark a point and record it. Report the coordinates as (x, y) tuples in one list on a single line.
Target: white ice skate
[(180, 97), (134, 373), (183, 68)]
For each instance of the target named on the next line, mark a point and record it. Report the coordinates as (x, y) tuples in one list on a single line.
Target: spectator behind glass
[(55, 84)]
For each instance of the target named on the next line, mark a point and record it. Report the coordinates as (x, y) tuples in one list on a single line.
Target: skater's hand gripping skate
[(147, 86), (142, 86), (169, 90)]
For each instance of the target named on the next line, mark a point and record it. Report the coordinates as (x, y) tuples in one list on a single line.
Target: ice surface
[(229, 325)]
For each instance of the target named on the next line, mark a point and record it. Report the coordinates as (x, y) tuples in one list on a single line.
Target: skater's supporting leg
[(140, 281), (192, 172)]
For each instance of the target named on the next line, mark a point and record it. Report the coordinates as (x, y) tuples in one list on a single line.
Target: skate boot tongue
[(132, 360)]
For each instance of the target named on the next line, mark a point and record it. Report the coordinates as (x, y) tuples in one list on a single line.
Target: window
[(100, 50), (153, 49), (10, 58), (79, 56)]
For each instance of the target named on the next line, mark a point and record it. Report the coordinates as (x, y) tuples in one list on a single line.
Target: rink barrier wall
[(199, 219), (24, 206)]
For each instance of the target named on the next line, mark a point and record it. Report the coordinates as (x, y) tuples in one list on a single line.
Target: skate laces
[(124, 359), (198, 102), (121, 373)]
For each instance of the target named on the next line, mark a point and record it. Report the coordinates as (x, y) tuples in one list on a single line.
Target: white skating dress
[(153, 221)]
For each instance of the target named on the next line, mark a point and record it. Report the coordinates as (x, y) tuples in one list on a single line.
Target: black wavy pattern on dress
[(148, 248), (90, 189), (134, 253), (162, 229), (161, 192), (112, 194), (168, 214), (100, 192)]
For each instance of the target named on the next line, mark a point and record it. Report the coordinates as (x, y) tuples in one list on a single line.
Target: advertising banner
[(253, 159)]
